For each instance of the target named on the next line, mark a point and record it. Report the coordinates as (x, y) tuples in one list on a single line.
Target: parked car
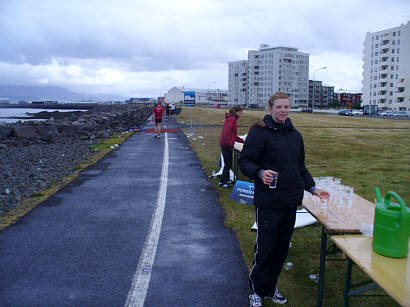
[(399, 113), (357, 112), (386, 113), (308, 110), (345, 112)]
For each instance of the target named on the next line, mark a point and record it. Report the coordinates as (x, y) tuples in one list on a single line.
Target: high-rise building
[(238, 82), (386, 70), (322, 94), (267, 70)]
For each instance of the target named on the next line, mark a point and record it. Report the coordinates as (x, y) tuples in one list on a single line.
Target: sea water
[(6, 113)]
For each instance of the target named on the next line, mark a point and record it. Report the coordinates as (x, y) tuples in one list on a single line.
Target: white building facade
[(202, 96), (269, 69), (238, 82), (386, 70)]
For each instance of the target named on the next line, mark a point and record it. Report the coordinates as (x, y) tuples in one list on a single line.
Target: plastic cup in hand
[(272, 185)]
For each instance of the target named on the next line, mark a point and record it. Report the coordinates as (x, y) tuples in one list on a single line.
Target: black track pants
[(275, 229), (227, 154)]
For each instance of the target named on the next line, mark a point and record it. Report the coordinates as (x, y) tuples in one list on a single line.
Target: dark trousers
[(275, 229), (227, 155)]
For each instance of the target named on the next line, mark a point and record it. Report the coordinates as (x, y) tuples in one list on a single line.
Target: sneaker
[(255, 300), (277, 298), (223, 185), (155, 135)]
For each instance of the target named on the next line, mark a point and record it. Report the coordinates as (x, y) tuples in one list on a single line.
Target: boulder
[(25, 132), (5, 131)]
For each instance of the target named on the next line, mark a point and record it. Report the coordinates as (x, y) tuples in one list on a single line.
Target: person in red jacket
[(157, 116), (228, 137)]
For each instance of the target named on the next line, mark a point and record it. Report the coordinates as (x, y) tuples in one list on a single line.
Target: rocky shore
[(34, 154)]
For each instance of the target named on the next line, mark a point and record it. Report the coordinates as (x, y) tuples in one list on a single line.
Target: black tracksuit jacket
[(278, 147)]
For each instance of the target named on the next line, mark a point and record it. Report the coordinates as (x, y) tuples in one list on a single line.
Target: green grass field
[(363, 152)]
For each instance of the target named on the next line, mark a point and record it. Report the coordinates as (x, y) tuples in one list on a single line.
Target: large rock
[(25, 132), (47, 131), (5, 131)]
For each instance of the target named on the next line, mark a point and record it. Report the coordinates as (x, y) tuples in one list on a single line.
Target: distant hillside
[(29, 93)]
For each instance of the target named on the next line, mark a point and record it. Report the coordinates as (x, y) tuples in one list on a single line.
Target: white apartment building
[(269, 69), (238, 82), (386, 70)]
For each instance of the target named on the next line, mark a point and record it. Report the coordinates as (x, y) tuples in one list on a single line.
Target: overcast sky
[(140, 48)]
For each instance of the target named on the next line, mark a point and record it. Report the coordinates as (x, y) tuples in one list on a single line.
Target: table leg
[(347, 282), (322, 267)]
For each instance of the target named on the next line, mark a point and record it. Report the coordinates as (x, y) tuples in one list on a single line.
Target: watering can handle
[(403, 206), (378, 195)]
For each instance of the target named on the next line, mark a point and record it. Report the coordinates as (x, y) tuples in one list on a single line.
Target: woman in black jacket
[(272, 148)]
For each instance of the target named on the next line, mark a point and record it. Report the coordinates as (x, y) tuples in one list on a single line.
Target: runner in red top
[(157, 116)]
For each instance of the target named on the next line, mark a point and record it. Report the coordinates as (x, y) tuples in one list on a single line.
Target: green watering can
[(391, 229)]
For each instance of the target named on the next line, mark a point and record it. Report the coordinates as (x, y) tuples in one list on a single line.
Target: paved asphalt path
[(84, 245)]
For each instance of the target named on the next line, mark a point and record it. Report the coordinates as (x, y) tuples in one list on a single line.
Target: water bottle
[(288, 266)]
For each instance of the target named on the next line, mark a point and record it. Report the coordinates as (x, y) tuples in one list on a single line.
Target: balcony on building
[(383, 92), (400, 89), (385, 58), (383, 76), (384, 50), (385, 42), (400, 99), (383, 84), (383, 100), (384, 67)]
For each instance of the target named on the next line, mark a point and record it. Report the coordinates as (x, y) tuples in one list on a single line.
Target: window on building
[(394, 33), (393, 50), (377, 46), (399, 33), (391, 76), (376, 53), (377, 37), (392, 59), (394, 42), (398, 42), (397, 59), (391, 93), (397, 67), (398, 50), (376, 61), (391, 84), (392, 68)]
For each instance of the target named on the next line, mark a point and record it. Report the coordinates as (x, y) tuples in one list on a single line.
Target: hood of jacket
[(227, 115), (269, 123)]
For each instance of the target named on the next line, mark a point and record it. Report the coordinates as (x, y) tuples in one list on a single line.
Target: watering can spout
[(378, 195)]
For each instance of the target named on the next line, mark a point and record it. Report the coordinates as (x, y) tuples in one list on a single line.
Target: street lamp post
[(313, 86)]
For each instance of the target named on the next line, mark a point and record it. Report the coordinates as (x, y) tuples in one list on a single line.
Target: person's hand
[(322, 194), (267, 176)]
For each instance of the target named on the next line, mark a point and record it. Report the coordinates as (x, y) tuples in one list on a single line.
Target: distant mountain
[(29, 93)]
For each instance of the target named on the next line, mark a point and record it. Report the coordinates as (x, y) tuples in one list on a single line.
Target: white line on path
[(138, 291)]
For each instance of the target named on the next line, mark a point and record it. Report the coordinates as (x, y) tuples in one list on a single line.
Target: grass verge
[(101, 149), (363, 152)]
